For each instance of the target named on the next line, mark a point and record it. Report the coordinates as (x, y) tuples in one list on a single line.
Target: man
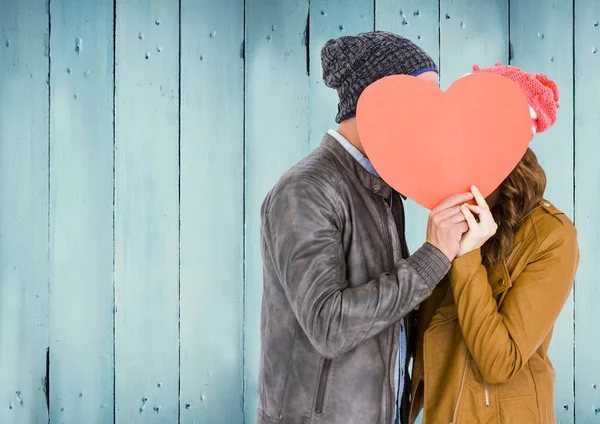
[(339, 284)]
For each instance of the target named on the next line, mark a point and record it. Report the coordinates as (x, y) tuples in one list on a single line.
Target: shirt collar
[(356, 154), (359, 157)]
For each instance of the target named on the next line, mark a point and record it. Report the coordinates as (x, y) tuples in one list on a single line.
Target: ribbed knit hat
[(541, 92), (352, 63)]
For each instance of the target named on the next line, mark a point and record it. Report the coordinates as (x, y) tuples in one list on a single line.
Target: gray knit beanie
[(351, 63)]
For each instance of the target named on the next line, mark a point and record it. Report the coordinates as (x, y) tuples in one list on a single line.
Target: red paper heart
[(429, 144)]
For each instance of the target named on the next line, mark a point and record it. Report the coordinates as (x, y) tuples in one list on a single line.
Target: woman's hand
[(479, 232)]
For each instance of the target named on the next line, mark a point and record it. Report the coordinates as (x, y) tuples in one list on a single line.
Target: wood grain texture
[(417, 21), (276, 119), (212, 211), (472, 32), (24, 42), (81, 213), (56, 224), (147, 211), (414, 19), (587, 196), (541, 43), (330, 19)]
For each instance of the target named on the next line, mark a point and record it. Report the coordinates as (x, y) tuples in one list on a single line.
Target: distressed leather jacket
[(337, 282)]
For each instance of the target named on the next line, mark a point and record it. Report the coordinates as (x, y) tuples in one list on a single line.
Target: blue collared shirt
[(401, 357)]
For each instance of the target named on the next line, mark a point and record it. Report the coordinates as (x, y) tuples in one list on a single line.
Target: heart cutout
[(429, 144)]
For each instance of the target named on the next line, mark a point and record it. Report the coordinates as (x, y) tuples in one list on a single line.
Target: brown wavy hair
[(519, 194)]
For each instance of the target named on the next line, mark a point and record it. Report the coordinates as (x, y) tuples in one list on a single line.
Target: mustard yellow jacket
[(483, 336)]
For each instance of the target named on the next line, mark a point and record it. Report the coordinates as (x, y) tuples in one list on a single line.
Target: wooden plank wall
[(146, 211), (587, 202), (276, 136), (81, 213), (540, 41), (212, 211), (24, 236), (138, 139)]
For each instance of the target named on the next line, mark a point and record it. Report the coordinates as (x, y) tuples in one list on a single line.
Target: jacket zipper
[(322, 385), (391, 382), (514, 252), (460, 391), (487, 394), (387, 217)]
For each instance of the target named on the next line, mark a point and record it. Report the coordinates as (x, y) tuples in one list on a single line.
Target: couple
[(346, 307)]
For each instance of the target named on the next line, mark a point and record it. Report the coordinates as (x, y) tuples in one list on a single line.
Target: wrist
[(467, 261), (463, 270), (430, 262), (439, 249)]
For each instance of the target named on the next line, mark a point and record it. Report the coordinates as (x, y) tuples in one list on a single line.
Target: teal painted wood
[(587, 203), (277, 117), (418, 21), (24, 214), (331, 19), (147, 211), (472, 32), (541, 43), (414, 19), (81, 213), (212, 205)]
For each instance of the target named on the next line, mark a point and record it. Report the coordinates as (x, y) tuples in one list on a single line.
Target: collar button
[(376, 187)]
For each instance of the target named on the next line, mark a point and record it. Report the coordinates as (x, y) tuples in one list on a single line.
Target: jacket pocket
[(522, 384), (263, 418), (544, 378), (322, 388)]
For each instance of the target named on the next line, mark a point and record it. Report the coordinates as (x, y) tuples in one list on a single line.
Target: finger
[(446, 213), (456, 218), (485, 215), (475, 209), (469, 217), (463, 227), (454, 200), (479, 197)]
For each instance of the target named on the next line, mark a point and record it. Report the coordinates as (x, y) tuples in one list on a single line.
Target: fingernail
[(474, 188)]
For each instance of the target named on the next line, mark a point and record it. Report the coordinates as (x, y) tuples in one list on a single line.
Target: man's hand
[(447, 224)]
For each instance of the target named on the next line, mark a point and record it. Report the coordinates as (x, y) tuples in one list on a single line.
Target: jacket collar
[(375, 184)]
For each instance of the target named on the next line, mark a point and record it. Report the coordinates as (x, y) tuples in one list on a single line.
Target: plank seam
[(179, 232), (439, 42), (47, 376), (574, 206), (509, 45), (244, 235), (114, 130), (374, 15), (307, 40)]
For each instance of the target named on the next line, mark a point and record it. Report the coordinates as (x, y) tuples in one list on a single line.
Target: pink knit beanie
[(541, 92)]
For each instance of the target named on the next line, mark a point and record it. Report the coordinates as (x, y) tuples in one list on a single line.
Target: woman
[(484, 333)]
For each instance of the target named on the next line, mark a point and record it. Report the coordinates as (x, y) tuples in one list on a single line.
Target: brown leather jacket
[(483, 336)]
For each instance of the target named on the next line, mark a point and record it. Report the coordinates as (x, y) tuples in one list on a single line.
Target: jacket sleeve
[(303, 240), (503, 340)]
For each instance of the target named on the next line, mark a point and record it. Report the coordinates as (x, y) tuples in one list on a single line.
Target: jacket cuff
[(431, 263), (466, 264)]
